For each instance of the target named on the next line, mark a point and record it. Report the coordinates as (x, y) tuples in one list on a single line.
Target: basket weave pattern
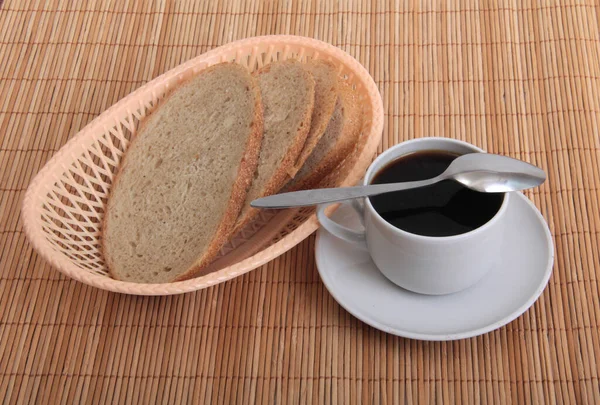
[(64, 205)]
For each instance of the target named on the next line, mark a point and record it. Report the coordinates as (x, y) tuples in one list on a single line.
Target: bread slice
[(326, 78), (288, 94), (184, 178), (338, 141)]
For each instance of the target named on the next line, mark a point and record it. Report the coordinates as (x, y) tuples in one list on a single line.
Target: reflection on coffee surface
[(443, 209)]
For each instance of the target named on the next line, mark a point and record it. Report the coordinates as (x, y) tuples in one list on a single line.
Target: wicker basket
[(64, 205)]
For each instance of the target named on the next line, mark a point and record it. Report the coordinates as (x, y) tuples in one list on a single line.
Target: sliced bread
[(325, 97), (288, 94), (338, 141), (184, 178)]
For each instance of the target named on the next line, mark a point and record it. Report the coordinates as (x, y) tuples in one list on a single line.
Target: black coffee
[(443, 209)]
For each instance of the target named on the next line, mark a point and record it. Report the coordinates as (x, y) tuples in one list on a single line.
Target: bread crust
[(281, 175), (320, 118), (345, 144), (238, 193)]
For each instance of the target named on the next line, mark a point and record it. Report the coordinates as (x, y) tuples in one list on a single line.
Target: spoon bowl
[(489, 173)]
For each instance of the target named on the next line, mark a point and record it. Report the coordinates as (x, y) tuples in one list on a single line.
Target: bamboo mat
[(517, 78)]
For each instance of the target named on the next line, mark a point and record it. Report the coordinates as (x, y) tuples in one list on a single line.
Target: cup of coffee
[(435, 240)]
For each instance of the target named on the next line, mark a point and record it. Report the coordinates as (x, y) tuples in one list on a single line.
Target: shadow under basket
[(64, 205)]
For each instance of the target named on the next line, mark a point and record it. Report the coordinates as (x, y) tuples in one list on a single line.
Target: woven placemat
[(517, 78)]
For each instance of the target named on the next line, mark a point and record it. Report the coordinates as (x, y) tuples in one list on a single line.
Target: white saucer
[(507, 291)]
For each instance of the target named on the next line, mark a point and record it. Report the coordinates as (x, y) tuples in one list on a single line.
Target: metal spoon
[(484, 172)]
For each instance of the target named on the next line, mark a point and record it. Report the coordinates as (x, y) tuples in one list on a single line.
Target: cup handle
[(347, 234)]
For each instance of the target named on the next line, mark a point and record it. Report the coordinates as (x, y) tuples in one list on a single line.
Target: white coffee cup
[(423, 264)]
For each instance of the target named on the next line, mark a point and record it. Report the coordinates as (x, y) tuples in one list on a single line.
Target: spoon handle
[(328, 195)]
